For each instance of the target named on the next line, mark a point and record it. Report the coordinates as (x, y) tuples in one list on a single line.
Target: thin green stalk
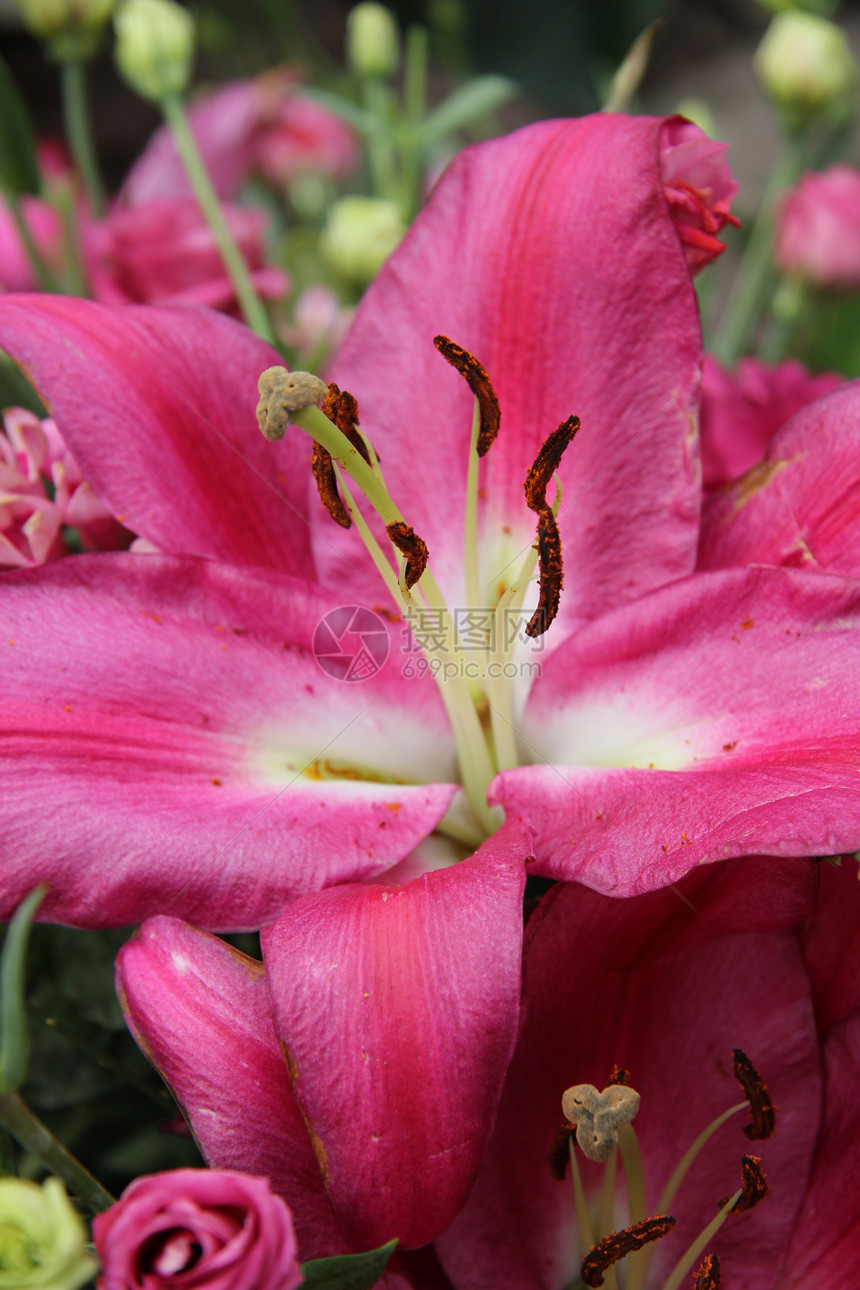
[(754, 270), (41, 272), (414, 111), (36, 1138), (79, 134), (160, 1097), (380, 150), (252, 307)]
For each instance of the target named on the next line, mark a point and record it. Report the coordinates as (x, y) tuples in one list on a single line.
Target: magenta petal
[(157, 406), (398, 1008), (200, 1011), (550, 254), (801, 506), (716, 717), (175, 745), (664, 985)]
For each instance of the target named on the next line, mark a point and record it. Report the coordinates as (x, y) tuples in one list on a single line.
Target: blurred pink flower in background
[(46, 229), (742, 410), (215, 1230), (699, 189), (819, 228), (263, 124), (41, 489), (163, 252)]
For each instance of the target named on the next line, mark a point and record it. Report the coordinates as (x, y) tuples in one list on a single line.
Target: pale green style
[(43, 1241)]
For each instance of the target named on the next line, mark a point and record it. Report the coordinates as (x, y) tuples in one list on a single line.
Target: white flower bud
[(155, 47), (360, 234), (806, 65), (372, 41), (43, 1239), (76, 21)]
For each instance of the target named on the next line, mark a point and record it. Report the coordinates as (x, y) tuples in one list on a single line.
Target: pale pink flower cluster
[(41, 490), (819, 228)]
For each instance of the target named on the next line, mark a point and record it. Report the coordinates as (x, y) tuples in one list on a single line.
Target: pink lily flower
[(741, 411), (197, 757), (743, 955)]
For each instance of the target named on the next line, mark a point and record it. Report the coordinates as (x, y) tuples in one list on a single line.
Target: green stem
[(41, 272), (754, 270), (79, 134), (252, 307), (380, 150), (414, 111), (36, 1138)]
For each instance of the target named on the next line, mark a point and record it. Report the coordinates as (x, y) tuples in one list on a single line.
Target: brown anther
[(618, 1075), (341, 407), (283, 392), (551, 574), (707, 1274), (599, 1116), (408, 543), (547, 462), (481, 386), (754, 1184), (323, 471), (755, 1091), (548, 536), (559, 1153), (619, 1244)]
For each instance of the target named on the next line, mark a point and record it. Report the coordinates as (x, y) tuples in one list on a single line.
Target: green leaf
[(19, 172), (14, 1035), (472, 101), (348, 1271)]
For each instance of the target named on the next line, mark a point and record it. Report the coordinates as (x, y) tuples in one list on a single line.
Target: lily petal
[(158, 403), (178, 747), (716, 717), (801, 505), (571, 288), (664, 985), (398, 1008), (200, 1012)]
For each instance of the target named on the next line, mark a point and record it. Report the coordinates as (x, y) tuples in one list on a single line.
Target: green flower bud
[(155, 47), (372, 41), (360, 234), (806, 66), (699, 112), (823, 7), (72, 25), (42, 1238)]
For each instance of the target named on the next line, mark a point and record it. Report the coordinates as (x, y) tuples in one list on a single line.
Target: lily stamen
[(619, 1244), (548, 536), (754, 1187), (413, 547), (708, 1274), (760, 1102), (479, 383)]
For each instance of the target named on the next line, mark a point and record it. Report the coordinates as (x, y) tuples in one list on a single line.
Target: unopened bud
[(360, 234), (155, 47), (372, 41), (806, 65), (43, 1238), (67, 25), (823, 7)]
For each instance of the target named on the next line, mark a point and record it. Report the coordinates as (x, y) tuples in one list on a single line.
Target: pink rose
[(163, 252), (209, 1229), (698, 187), (819, 228), (742, 410)]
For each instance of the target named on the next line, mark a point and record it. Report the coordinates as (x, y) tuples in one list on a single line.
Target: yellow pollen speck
[(66, 707), (747, 623)]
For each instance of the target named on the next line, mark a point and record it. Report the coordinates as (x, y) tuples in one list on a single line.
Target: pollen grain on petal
[(754, 1183), (408, 543), (618, 1075), (559, 1153), (707, 1274), (755, 1090), (479, 383), (619, 1244)]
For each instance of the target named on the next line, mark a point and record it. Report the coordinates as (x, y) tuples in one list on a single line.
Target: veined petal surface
[(177, 747), (398, 1007), (716, 717), (551, 255), (158, 408)]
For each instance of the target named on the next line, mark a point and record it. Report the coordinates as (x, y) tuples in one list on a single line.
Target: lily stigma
[(601, 1124), (476, 690)]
